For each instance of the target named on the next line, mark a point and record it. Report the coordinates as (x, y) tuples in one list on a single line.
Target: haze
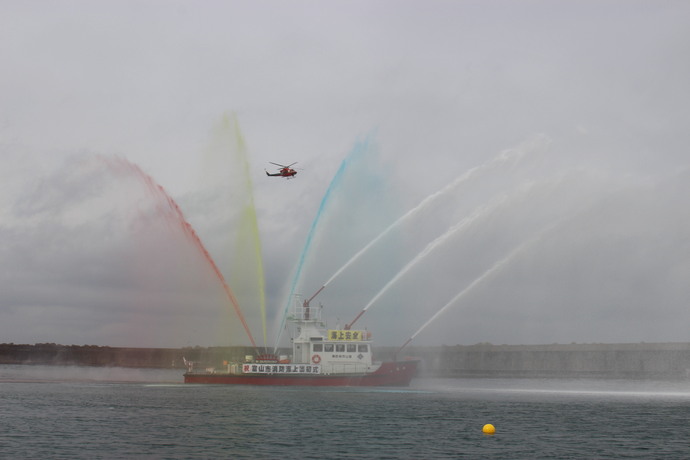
[(571, 117)]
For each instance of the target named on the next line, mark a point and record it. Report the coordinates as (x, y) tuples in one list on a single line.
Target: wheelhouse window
[(351, 347), (318, 347), (340, 348), (363, 348), (328, 347)]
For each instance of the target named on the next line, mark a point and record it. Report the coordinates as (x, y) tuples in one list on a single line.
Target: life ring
[(316, 359)]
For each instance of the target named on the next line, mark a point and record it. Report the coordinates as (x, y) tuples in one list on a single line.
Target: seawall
[(622, 360)]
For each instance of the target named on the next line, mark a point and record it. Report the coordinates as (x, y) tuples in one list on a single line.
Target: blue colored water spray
[(359, 149)]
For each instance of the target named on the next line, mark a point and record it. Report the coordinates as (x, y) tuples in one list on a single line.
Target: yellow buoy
[(489, 429)]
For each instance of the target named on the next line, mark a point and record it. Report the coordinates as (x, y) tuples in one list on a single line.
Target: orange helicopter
[(284, 171)]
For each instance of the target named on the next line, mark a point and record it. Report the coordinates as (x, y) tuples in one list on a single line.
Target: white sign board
[(255, 368)]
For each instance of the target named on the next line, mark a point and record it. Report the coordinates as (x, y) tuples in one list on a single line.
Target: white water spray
[(512, 155), (486, 275), (462, 225)]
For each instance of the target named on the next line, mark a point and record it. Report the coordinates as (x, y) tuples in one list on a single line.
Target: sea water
[(70, 413)]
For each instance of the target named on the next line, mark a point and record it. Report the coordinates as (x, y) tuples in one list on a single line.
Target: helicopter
[(284, 171)]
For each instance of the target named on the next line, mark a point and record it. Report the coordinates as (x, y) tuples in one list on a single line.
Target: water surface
[(50, 412)]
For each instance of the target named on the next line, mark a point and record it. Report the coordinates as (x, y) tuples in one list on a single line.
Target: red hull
[(398, 373)]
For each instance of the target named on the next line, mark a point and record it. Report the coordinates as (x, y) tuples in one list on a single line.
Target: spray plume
[(170, 210), (507, 156), (462, 225), (486, 275), (249, 218)]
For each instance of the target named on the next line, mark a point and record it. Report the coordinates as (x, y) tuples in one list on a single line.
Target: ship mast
[(306, 308), (306, 302)]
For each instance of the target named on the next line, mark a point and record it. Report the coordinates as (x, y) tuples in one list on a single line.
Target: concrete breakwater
[(623, 360), (627, 360)]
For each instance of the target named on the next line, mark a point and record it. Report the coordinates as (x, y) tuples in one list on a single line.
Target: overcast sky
[(537, 149)]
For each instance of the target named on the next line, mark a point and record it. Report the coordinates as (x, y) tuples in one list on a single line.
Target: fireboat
[(320, 357)]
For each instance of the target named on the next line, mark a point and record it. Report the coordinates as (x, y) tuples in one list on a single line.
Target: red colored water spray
[(120, 164)]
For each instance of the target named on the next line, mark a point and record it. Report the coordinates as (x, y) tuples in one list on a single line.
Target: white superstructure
[(337, 351)]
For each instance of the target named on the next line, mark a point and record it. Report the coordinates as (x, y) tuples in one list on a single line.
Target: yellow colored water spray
[(250, 220), (229, 169)]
